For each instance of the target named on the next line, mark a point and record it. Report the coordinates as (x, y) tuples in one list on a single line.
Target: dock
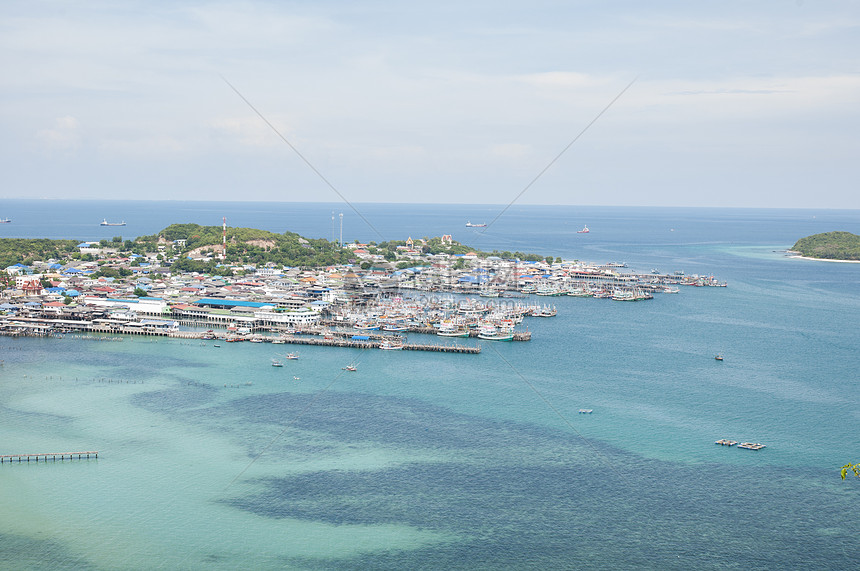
[(45, 456)]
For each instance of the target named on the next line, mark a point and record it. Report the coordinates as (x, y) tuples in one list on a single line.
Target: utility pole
[(341, 229), (224, 239)]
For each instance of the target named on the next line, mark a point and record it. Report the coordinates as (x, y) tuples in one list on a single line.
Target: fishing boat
[(277, 363), (490, 332), (5, 221), (584, 230), (292, 356), (389, 345), (718, 356), (449, 328), (470, 225), (351, 367), (579, 292), (104, 222)]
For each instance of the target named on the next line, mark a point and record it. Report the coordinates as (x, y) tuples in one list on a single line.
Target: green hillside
[(830, 246)]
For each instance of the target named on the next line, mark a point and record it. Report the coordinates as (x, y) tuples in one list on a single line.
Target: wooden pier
[(45, 456), (343, 341)]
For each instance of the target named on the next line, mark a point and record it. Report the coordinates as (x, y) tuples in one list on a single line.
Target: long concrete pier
[(45, 456)]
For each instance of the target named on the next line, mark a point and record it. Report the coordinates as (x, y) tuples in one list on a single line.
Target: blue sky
[(735, 103)]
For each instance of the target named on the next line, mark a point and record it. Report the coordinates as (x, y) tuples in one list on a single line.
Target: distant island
[(829, 246)]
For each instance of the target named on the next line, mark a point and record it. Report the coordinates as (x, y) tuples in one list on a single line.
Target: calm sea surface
[(212, 459)]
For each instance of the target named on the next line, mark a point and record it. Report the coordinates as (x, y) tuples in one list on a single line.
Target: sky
[(582, 102)]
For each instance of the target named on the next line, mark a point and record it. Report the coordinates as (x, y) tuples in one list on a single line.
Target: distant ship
[(584, 230), (5, 220), (106, 223), (470, 225)]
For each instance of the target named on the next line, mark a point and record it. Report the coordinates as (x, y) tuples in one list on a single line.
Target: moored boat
[(490, 332)]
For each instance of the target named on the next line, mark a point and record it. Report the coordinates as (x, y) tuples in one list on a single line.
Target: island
[(834, 246), (243, 284)]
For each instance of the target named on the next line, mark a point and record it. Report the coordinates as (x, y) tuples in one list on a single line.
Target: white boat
[(104, 222), (292, 356), (277, 363), (490, 332), (579, 292), (5, 221), (584, 230), (470, 225), (350, 367), (388, 345), (450, 329)]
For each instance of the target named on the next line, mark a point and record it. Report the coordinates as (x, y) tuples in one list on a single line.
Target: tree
[(853, 467), (139, 292)]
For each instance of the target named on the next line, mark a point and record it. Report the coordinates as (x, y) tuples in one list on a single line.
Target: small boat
[(277, 363), (104, 222), (278, 341), (470, 225), (216, 345), (718, 356), (295, 378), (585, 411), (584, 230), (5, 221), (391, 345), (350, 367), (292, 356)]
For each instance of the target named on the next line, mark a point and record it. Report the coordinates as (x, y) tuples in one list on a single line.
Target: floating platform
[(751, 445), (726, 442), (45, 456)]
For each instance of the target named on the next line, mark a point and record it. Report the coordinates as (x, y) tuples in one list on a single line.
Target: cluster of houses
[(270, 296)]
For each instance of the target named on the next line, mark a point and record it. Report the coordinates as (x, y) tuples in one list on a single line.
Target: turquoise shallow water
[(470, 462)]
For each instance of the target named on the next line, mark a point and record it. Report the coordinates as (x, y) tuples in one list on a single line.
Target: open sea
[(210, 458)]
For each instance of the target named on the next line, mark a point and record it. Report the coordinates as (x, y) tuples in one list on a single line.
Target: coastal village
[(374, 301)]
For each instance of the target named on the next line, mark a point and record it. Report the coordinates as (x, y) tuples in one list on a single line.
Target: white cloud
[(64, 136)]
